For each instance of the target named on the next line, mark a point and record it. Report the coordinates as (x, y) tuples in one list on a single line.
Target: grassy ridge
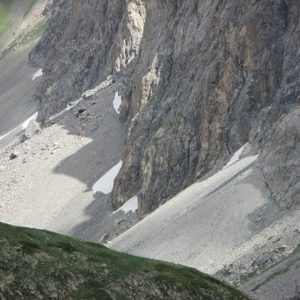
[(5, 21), (25, 37), (29, 36), (37, 264)]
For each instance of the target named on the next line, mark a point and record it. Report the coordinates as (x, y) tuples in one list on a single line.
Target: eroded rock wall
[(280, 160), (211, 75), (200, 79), (84, 42)]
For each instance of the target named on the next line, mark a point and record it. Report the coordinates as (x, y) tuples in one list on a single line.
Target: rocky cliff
[(84, 42), (210, 76), (199, 80)]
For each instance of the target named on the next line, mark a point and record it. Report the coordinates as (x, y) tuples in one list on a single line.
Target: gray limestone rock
[(280, 160), (210, 76), (199, 80)]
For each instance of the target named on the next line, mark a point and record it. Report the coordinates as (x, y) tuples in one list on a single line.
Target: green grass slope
[(41, 265), (16, 37), (5, 20), (29, 36)]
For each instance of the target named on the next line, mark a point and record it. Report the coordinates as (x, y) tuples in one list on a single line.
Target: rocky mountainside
[(210, 77), (42, 265), (84, 42), (199, 80), (211, 116)]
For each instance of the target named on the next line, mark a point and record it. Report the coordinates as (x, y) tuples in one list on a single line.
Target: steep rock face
[(84, 42), (210, 76), (280, 161), (200, 79)]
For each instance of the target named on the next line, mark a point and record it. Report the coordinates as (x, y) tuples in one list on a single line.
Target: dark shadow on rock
[(93, 118), (102, 224), (101, 124)]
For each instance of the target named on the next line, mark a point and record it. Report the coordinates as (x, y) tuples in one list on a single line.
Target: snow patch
[(117, 102), (106, 182), (37, 74), (26, 123), (21, 127), (236, 156), (130, 205)]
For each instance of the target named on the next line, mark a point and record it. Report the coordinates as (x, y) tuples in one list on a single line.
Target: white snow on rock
[(26, 123), (235, 157), (21, 127), (32, 128), (130, 205), (106, 182), (117, 102), (37, 74), (104, 84)]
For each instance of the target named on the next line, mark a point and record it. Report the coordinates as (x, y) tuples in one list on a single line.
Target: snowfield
[(16, 132)]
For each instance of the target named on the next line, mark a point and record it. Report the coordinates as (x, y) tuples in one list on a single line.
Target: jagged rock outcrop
[(200, 79), (210, 76), (84, 43)]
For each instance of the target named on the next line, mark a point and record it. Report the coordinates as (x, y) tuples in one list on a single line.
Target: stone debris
[(13, 155)]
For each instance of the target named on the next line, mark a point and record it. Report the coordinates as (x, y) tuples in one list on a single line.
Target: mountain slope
[(199, 80), (38, 264), (225, 226), (20, 22), (21, 25), (277, 282)]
